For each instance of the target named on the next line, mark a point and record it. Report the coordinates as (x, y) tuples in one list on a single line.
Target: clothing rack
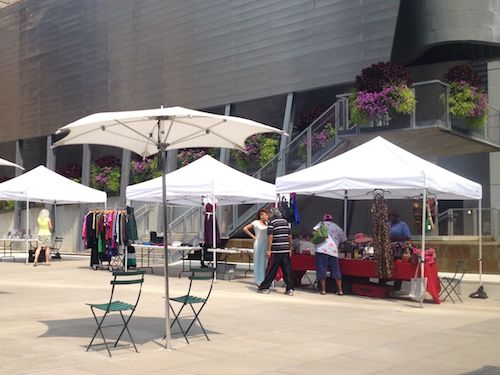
[(107, 232)]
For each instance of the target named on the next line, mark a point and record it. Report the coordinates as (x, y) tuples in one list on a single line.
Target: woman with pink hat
[(327, 254)]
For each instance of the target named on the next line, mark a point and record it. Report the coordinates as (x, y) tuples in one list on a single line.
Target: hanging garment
[(381, 238)]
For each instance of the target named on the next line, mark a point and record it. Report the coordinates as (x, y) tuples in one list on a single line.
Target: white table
[(151, 249), (28, 241), (233, 250)]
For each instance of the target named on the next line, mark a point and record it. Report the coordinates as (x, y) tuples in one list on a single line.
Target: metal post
[(287, 121), (27, 228), (309, 147), (224, 152), (163, 151), (480, 243), (345, 212), (422, 255)]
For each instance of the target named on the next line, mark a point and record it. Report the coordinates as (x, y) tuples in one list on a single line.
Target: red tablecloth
[(366, 268)]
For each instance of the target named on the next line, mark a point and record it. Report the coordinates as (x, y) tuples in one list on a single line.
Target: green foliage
[(404, 100), (468, 103), (6, 206), (106, 178), (267, 150)]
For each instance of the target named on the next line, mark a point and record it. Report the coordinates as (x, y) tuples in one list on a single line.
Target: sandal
[(340, 293), (322, 293)]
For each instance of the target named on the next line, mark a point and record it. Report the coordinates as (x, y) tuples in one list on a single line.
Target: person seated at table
[(327, 254), (259, 237), (400, 231)]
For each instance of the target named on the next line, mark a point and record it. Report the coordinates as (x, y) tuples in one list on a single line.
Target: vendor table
[(150, 249), (28, 241), (366, 268), (224, 253)]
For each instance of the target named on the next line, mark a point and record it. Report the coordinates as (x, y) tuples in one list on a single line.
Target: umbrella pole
[(168, 344)]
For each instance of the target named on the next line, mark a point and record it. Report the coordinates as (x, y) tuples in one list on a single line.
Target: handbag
[(321, 234), (418, 287)]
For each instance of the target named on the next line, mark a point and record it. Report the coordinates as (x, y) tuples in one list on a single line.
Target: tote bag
[(418, 287), (321, 234)]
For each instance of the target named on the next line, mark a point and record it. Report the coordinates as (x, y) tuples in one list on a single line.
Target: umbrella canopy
[(147, 132), (46, 186), (203, 178), (378, 164), (9, 164), (176, 127)]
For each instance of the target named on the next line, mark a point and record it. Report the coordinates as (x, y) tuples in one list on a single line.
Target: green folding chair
[(120, 278), (206, 274), (451, 284)]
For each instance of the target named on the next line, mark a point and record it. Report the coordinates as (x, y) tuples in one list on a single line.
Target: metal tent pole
[(27, 229), (422, 254), (345, 212), (480, 244)]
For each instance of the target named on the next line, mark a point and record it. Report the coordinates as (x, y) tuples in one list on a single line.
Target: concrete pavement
[(45, 327)]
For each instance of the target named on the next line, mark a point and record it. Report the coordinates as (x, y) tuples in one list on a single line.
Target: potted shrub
[(467, 101), (381, 91)]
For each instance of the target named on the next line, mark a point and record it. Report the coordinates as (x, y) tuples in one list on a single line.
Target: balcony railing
[(465, 222)]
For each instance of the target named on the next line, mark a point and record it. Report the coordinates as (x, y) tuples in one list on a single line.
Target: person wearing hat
[(327, 254)]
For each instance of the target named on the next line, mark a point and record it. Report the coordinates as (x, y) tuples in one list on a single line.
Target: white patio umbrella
[(147, 132), (7, 163)]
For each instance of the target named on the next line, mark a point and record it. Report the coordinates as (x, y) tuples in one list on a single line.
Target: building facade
[(268, 60)]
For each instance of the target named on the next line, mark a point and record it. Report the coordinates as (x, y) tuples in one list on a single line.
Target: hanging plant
[(380, 90), (467, 101), (144, 169), (105, 174), (319, 140), (260, 149), (72, 171), (6, 206), (186, 156)]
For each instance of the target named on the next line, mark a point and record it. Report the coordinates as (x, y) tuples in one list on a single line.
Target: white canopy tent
[(205, 178), (379, 164), (45, 186)]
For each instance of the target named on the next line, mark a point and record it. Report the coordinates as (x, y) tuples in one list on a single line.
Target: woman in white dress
[(259, 236)]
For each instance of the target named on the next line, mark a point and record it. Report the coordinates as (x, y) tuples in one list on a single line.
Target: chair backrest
[(460, 269), (57, 243), (206, 274), (127, 278)]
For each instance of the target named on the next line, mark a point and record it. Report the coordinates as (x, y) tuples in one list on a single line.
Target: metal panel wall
[(73, 57)]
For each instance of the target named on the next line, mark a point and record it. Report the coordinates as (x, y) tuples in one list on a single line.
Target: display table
[(30, 242), (366, 268), (224, 254), (151, 249)]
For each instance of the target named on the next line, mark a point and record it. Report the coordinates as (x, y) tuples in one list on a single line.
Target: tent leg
[(27, 230), (422, 255), (480, 239), (345, 212), (214, 238)]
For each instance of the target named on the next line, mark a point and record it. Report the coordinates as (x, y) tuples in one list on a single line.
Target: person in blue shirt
[(400, 231)]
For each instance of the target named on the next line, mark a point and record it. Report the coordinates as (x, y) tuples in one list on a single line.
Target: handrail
[(283, 152)]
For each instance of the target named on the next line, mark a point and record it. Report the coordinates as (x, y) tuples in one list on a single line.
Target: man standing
[(279, 245)]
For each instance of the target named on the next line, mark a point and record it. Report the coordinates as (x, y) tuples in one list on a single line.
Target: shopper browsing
[(279, 248), (327, 254), (259, 237), (44, 236)]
